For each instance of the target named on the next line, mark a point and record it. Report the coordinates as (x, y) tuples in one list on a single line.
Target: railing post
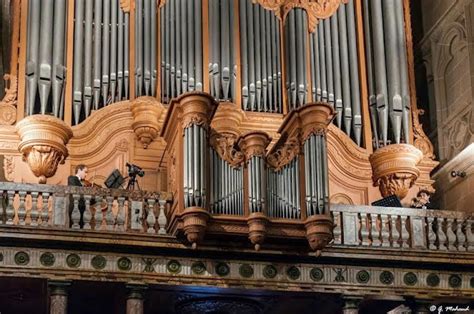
[(418, 234), (350, 224), (60, 209), (162, 217)]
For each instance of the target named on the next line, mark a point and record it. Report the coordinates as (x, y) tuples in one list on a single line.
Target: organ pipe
[(260, 58)]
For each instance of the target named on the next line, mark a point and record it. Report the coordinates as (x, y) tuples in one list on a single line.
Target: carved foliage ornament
[(316, 9), (284, 155), (7, 104), (224, 145)]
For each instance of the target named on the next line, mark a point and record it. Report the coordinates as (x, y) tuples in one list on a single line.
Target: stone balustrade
[(48, 206), (407, 228)]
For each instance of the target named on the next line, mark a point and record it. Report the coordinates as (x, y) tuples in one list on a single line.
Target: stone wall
[(447, 49)]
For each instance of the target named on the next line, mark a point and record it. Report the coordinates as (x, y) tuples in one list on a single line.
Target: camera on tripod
[(134, 170)]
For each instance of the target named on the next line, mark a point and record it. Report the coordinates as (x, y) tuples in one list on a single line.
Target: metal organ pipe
[(334, 60), (59, 69), (34, 10), (88, 57), (180, 48), (45, 52), (385, 41), (296, 28), (78, 41), (260, 53), (226, 187)]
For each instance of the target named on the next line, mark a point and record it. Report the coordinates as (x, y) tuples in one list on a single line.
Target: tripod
[(132, 182)]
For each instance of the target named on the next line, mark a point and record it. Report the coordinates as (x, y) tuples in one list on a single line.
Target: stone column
[(135, 299), (351, 304), (58, 296)]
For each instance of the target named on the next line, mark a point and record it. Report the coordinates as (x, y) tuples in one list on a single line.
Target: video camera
[(134, 170)]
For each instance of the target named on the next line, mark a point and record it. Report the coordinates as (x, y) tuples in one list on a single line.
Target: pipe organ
[(298, 64), (354, 58)]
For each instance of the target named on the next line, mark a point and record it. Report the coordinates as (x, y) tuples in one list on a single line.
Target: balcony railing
[(122, 211), (113, 210), (405, 228)]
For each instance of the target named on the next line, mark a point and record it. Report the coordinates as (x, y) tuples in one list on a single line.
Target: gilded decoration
[(43, 142), (146, 113), (315, 9), (8, 103), (395, 169)]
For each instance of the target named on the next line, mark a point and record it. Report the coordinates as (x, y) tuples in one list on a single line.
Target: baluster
[(450, 234), (393, 231), (364, 225), (374, 232), (431, 234), (87, 213), (162, 217), (22, 209), (151, 219), (45, 210), (98, 216), (109, 215), (10, 210), (120, 214), (385, 230), (76, 214), (461, 238), (441, 235), (469, 235), (404, 232), (337, 227), (34, 214)]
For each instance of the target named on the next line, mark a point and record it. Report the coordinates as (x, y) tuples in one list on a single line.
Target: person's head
[(81, 171)]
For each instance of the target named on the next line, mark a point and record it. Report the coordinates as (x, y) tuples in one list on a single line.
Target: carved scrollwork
[(7, 104), (316, 9), (146, 112), (284, 155), (8, 167), (224, 145), (197, 119), (422, 141)]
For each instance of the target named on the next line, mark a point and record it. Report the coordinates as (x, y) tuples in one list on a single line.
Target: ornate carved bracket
[(8, 103), (395, 168), (254, 144), (127, 5), (285, 154), (146, 112), (316, 9), (224, 145), (43, 144)]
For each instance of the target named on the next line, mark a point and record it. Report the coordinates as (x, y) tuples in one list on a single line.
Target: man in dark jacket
[(76, 180)]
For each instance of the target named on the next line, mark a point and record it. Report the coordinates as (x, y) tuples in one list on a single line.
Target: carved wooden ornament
[(146, 112), (395, 168), (43, 144)]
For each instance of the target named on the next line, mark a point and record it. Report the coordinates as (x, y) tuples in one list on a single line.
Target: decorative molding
[(43, 144), (146, 113), (285, 154), (127, 5), (422, 142), (225, 146), (8, 167), (315, 9), (262, 274), (8, 103), (254, 144), (319, 231), (395, 169)]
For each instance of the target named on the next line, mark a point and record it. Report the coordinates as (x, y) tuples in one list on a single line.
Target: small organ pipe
[(113, 50), (300, 62), (97, 53), (121, 48), (34, 9), (346, 92), (329, 60), (153, 68), (354, 73), (78, 41), (45, 52), (88, 57), (243, 55), (105, 51), (59, 69), (147, 11), (198, 43), (191, 48), (379, 64), (337, 69), (322, 56)]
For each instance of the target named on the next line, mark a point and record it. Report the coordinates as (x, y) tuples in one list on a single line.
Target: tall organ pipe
[(78, 42), (45, 52), (59, 69), (88, 57)]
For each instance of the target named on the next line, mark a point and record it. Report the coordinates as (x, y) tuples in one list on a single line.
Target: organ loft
[(236, 156)]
